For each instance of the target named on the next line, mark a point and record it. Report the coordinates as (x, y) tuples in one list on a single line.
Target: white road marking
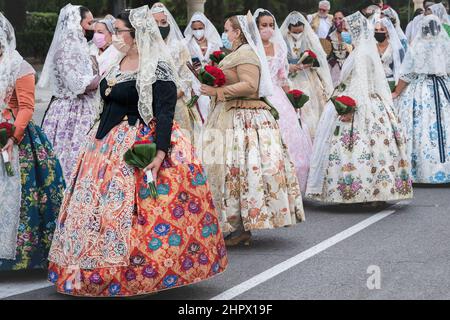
[(305, 255), (12, 288)]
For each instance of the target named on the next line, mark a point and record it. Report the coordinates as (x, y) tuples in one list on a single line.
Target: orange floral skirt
[(114, 239)]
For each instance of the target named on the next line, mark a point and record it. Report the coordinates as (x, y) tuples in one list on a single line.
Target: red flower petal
[(346, 101), (311, 54)]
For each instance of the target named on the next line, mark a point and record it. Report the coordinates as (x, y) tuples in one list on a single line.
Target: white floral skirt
[(252, 178), (424, 108), (368, 164)]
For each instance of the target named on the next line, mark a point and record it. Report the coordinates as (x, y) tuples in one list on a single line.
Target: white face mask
[(198, 34), (120, 44), (296, 36)]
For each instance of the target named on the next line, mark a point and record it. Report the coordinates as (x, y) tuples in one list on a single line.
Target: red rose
[(296, 93), (311, 54), (142, 142), (8, 127), (349, 102), (218, 74), (217, 54)]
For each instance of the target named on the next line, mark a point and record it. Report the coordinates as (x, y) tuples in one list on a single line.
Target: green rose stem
[(151, 184), (5, 155), (298, 103), (193, 101), (352, 142), (204, 78), (337, 130)]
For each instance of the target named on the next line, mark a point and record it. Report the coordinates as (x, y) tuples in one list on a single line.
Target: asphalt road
[(394, 252)]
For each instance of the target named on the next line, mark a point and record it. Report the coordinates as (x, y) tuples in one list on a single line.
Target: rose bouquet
[(217, 56), (345, 107), (140, 156), (6, 132), (309, 57), (297, 98), (209, 75)]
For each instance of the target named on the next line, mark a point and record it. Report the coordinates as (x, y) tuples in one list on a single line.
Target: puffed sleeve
[(248, 84), (25, 99), (164, 102)]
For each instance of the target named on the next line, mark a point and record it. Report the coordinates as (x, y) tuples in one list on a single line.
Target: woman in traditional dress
[(72, 76), (341, 47), (252, 178), (440, 11), (189, 119), (106, 54), (31, 197), (315, 81), (410, 28), (424, 103), (202, 39), (392, 15), (390, 49), (295, 135), (361, 158), (112, 238)]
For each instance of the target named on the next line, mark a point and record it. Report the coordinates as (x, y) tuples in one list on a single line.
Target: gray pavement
[(410, 247)]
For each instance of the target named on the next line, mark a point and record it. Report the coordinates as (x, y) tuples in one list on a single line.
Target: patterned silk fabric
[(113, 239), (42, 192)]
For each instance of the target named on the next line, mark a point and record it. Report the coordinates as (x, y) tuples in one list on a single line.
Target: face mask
[(338, 25), (380, 36), (346, 37), (226, 42), (199, 34), (89, 35), (164, 31), (296, 36), (99, 40), (266, 33), (120, 44)]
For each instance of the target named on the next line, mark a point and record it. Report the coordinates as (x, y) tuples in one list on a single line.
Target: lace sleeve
[(408, 77)]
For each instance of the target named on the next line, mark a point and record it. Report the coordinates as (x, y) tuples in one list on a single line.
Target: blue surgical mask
[(226, 42), (346, 37)]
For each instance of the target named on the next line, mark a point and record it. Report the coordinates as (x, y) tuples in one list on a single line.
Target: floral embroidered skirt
[(424, 108), (42, 193), (113, 239), (66, 123), (369, 163), (254, 182)]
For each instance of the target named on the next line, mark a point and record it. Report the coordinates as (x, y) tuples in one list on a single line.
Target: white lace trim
[(10, 203)]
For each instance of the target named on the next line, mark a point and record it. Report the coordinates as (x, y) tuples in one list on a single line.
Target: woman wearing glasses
[(72, 75), (112, 237)]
